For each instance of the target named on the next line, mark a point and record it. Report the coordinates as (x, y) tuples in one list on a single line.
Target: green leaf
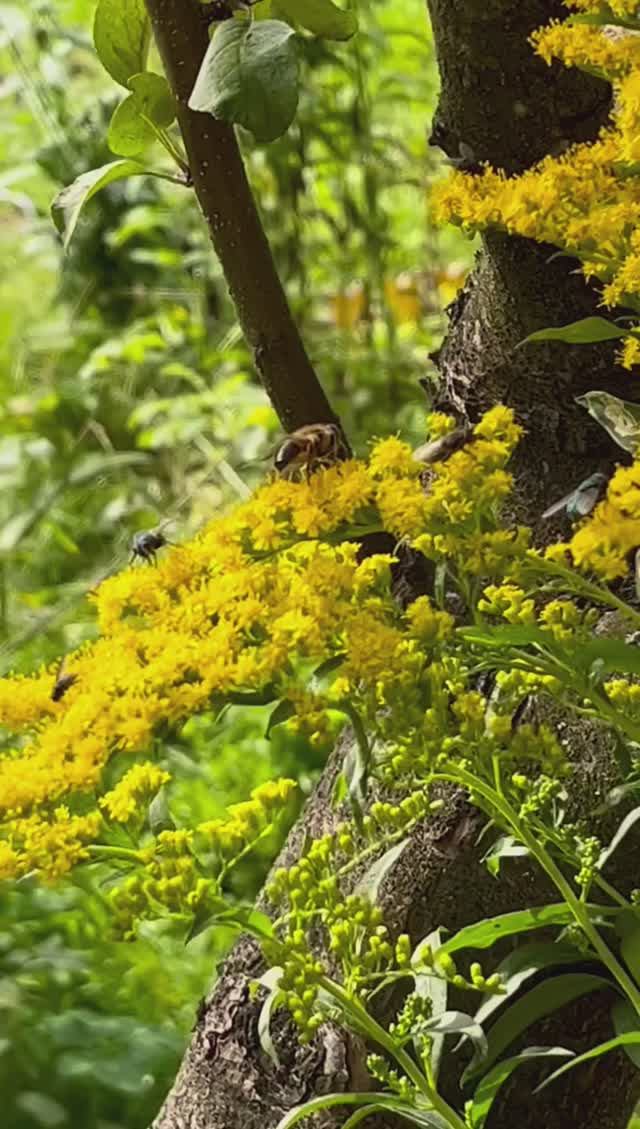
[(624, 827), (485, 1093), (434, 988), (613, 654), (509, 635), (275, 999), (68, 204), (150, 103), (541, 1000), (620, 418), (485, 933), (629, 1038), (521, 965), (249, 76), (378, 1102), (504, 847), (322, 17), (158, 815), (371, 881), (625, 1018), (121, 35), (459, 1023), (320, 676), (282, 712), (587, 331)]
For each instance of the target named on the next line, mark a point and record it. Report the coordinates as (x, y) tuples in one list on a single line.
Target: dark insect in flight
[(62, 683), (145, 545), (580, 501), (309, 448)]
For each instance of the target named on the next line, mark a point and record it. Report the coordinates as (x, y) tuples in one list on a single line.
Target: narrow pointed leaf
[(587, 331), (372, 879), (485, 933), (486, 1092), (521, 965), (273, 1001), (541, 1000), (627, 823), (625, 1018), (630, 1038)]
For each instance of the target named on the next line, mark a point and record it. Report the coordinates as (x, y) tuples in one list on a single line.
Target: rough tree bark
[(506, 107)]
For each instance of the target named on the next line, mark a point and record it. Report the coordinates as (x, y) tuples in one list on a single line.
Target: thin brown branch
[(223, 192)]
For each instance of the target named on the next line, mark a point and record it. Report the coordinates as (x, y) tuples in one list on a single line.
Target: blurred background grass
[(126, 397)]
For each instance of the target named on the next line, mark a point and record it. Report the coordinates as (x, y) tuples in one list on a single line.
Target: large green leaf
[(150, 103), (505, 635), (621, 418), (121, 34), (583, 332), (68, 204), (322, 17), (543, 999), (249, 76), (486, 1092)]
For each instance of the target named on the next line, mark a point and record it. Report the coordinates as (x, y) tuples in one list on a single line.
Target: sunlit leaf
[(587, 331), (68, 204), (150, 103), (485, 933), (322, 17), (121, 34)]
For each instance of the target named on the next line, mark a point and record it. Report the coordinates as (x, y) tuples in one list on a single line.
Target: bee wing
[(561, 504)]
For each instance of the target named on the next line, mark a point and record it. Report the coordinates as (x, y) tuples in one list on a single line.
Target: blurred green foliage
[(127, 397)]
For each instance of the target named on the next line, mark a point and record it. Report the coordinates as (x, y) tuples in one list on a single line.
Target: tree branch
[(180, 29)]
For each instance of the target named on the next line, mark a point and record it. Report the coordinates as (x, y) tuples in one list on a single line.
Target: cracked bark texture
[(509, 108)]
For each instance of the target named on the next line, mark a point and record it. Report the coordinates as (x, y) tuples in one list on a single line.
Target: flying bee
[(62, 683), (145, 545), (436, 450), (580, 501), (309, 448)]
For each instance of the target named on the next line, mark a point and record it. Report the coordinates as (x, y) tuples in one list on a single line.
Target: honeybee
[(310, 447)]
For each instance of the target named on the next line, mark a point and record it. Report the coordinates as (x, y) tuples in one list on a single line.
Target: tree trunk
[(506, 107)]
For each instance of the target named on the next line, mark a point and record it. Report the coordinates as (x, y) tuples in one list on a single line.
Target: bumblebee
[(309, 448), (145, 545)]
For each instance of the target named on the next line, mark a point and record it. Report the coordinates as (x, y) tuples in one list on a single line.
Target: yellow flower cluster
[(137, 786), (586, 200), (464, 497), (252, 600), (604, 542), (246, 821)]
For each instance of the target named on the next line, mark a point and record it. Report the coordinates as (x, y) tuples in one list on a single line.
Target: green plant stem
[(366, 1024), (180, 29), (544, 860)]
